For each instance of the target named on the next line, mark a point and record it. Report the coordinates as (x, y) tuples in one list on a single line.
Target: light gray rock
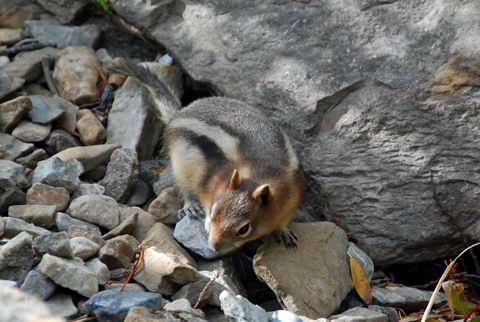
[(225, 266), (365, 262), (87, 232), (180, 305), (139, 195), (129, 287), (89, 128), (14, 226), (64, 222), (39, 215), (321, 242), (65, 11), (38, 284), (103, 56), (139, 313), (241, 309), (75, 75), (42, 194), (122, 174), (59, 140), (8, 85), (57, 173), (125, 228), (69, 118), (117, 252), (88, 189), (18, 306), (17, 147), (31, 132), (144, 223), (91, 157), (83, 247), (283, 316), (64, 36), (95, 209), (10, 36), (61, 305), (220, 284), (132, 122), (30, 161), (359, 314), (28, 65), (57, 244), (162, 273), (191, 293), (100, 269), (16, 258), (61, 270), (45, 109), (11, 112), (406, 298), (12, 175), (191, 233), (8, 283), (166, 206)]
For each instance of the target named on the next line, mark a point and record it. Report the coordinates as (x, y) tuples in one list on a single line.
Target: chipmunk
[(238, 163)]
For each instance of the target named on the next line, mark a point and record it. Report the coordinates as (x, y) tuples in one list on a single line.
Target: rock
[(41, 216), (16, 258), (64, 222), (117, 253), (12, 111), (88, 232), (30, 161), (132, 122), (97, 174), (180, 305), (64, 36), (69, 118), (407, 298), (143, 314), (144, 224), (91, 157), (14, 226), (225, 266), (8, 283), (16, 16), (65, 11), (149, 175), (6, 154), (283, 316), (122, 174), (45, 109), (161, 273), (2, 226), (363, 259), (17, 147), (89, 128), (139, 195), (191, 292), (126, 227), (113, 306), (4, 61), (11, 196), (12, 175), (57, 173), (57, 244), (59, 140), (83, 247), (28, 65), (75, 75), (161, 237), (239, 308), (100, 269), (61, 270), (88, 189), (129, 287), (359, 314), (31, 132), (220, 284), (39, 284), (191, 233), (95, 209), (18, 306), (61, 305), (8, 85), (328, 245), (166, 206), (11, 36), (35, 89), (103, 56), (42, 194)]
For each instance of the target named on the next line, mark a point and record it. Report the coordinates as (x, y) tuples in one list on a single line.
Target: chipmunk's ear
[(235, 180), (262, 194)]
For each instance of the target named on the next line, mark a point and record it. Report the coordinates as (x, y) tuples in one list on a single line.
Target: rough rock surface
[(359, 314), (350, 81), (406, 298), (16, 258), (316, 290), (99, 210)]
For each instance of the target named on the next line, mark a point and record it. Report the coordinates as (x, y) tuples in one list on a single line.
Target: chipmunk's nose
[(215, 244)]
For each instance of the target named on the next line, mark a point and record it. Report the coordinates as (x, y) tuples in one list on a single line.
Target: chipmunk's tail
[(165, 102)]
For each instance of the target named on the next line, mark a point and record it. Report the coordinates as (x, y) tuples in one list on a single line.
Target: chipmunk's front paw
[(288, 238), (192, 211)]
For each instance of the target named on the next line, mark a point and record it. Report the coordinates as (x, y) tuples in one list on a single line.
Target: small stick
[(216, 273), (136, 266), (48, 76), (19, 49)]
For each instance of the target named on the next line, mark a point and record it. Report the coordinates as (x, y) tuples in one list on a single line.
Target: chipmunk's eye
[(245, 229)]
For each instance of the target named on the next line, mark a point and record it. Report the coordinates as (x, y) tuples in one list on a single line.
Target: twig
[(48, 76), (465, 241), (136, 266), (475, 277), (216, 273), (35, 46)]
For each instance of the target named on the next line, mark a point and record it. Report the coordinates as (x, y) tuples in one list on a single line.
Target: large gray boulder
[(363, 89)]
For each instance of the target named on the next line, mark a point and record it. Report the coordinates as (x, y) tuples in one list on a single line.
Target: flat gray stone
[(57, 173), (100, 269), (17, 147), (359, 314), (64, 222), (83, 247), (96, 209), (61, 305), (16, 258), (241, 309), (14, 226), (11, 112), (38, 284), (12, 175), (31, 132), (28, 65), (57, 244), (45, 109), (406, 298), (39, 215)]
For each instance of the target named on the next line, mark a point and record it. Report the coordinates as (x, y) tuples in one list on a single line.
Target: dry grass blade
[(439, 284), (216, 273)]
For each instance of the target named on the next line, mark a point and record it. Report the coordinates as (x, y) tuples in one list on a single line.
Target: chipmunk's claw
[(192, 211), (288, 238)]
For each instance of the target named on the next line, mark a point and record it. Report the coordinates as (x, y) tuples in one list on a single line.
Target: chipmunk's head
[(236, 215)]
